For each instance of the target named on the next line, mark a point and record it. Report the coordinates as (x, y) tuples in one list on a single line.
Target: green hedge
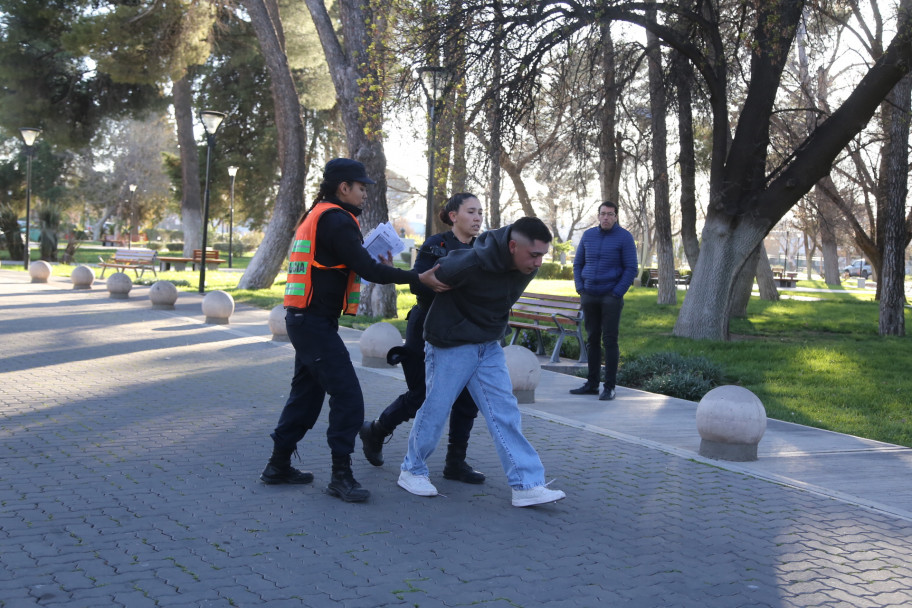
[(669, 373), (553, 270)]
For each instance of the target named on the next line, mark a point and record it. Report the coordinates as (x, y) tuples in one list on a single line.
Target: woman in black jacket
[(464, 213)]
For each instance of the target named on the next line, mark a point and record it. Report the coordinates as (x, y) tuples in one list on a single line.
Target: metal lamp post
[(232, 171), (211, 121), (130, 217), (434, 81), (29, 134)]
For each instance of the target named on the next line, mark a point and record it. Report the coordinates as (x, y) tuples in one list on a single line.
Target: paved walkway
[(131, 440)]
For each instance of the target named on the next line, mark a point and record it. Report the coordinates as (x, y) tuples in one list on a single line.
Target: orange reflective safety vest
[(299, 289)]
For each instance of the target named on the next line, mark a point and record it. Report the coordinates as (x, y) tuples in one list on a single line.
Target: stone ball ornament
[(525, 372), (119, 286), (82, 277), (376, 342), (218, 306), (39, 270), (731, 421), (163, 295)]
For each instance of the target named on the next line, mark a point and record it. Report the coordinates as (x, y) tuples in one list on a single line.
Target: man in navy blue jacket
[(603, 270)]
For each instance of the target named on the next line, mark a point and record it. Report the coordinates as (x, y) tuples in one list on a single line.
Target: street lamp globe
[(211, 120), (29, 135)]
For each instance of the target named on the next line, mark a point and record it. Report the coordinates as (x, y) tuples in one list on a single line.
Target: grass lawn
[(818, 363)]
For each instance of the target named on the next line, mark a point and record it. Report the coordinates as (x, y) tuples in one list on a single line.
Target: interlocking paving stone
[(131, 441)]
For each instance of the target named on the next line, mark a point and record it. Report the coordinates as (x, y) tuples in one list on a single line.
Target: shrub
[(553, 270), (175, 246), (154, 246), (235, 245), (251, 240), (570, 349), (671, 374)]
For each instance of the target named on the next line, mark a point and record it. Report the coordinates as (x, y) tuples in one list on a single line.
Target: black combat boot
[(457, 468), (372, 435), (279, 469), (343, 484)]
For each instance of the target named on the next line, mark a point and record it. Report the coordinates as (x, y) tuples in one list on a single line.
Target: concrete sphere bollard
[(376, 341), (119, 286), (82, 277), (163, 295), (39, 270), (731, 421), (277, 323), (218, 306), (525, 372)]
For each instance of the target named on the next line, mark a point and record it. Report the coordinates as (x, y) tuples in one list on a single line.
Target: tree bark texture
[(892, 277), (668, 290), (289, 205), (765, 282), (191, 201), (683, 75), (609, 144), (744, 283)]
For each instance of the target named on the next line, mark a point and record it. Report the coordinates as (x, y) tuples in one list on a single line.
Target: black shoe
[(343, 484), (586, 389), (607, 395), (372, 435), (459, 470), (275, 474)]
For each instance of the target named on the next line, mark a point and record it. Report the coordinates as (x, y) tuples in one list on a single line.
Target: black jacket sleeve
[(345, 247)]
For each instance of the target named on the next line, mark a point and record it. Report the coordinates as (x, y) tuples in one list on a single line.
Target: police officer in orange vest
[(325, 266)]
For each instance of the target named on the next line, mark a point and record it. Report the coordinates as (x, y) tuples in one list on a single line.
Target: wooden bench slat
[(138, 260), (561, 315)]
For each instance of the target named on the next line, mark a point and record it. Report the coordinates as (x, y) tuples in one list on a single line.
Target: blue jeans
[(482, 368)]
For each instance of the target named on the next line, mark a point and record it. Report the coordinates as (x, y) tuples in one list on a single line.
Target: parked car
[(858, 268)]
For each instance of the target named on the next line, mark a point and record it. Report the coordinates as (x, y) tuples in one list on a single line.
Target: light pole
[(232, 171), (211, 121), (434, 81), (130, 217), (29, 134)]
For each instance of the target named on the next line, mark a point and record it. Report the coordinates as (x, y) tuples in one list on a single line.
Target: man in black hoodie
[(463, 331)]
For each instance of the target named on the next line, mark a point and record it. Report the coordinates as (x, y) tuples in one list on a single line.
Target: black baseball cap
[(346, 170)]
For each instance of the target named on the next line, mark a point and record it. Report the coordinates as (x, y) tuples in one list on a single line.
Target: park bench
[(785, 279), (561, 315), (679, 279), (212, 259), (112, 241), (137, 260)]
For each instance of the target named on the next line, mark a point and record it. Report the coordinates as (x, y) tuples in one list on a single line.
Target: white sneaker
[(538, 495), (419, 485)]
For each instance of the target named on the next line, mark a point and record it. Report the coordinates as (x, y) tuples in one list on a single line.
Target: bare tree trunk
[(668, 291), (765, 282), (704, 314), (684, 81), (744, 283), (891, 281), (609, 157), (267, 261), (191, 201), (828, 245)]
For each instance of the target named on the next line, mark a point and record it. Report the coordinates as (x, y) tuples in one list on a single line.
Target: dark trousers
[(322, 366), (406, 405), (603, 320)]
